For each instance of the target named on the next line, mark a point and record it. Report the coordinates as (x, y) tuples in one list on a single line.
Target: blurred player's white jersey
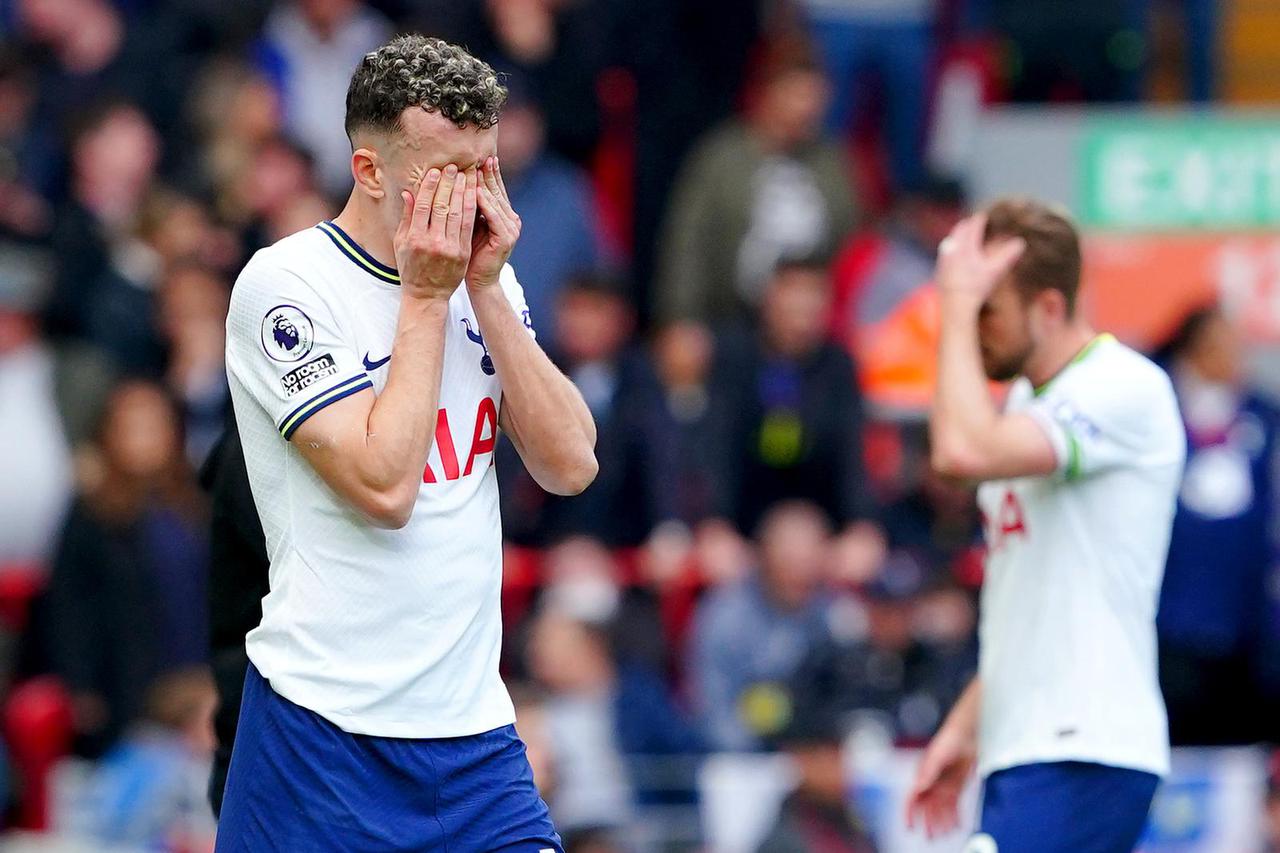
[(393, 633), (1073, 572)]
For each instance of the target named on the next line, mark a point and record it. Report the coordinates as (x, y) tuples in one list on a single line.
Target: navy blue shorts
[(1068, 806), (299, 783)]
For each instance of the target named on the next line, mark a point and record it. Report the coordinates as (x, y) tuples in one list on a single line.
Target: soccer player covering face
[(1079, 473), (372, 361)]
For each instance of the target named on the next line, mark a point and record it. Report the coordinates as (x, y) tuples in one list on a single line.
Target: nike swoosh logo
[(374, 365)]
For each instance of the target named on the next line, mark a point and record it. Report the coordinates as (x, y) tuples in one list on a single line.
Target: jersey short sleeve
[(288, 349), (515, 295), (1094, 433)]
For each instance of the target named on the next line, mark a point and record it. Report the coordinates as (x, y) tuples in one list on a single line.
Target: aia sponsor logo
[(484, 438), (1010, 521)]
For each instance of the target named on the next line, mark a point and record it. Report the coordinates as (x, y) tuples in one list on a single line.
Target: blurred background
[(736, 638)]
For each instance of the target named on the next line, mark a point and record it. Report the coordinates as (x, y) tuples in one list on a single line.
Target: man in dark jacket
[(817, 817), (792, 419), (237, 584)]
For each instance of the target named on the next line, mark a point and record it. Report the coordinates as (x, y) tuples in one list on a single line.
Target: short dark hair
[(418, 71), (811, 262), (1051, 259)]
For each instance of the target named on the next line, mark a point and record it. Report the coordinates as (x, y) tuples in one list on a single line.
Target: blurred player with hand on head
[(372, 361), (1079, 473)]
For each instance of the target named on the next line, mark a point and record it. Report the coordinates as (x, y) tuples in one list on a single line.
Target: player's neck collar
[(356, 253), (1075, 359)]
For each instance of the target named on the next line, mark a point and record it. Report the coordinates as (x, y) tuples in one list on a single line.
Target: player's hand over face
[(940, 780), (495, 236), (433, 240), (967, 267)]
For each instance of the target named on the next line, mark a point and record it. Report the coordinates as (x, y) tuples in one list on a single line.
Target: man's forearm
[(963, 411), (402, 421), (553, 427), (965, 714)]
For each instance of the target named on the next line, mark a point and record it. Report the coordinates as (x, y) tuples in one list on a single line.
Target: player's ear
[(1052, 303), (366, 168)]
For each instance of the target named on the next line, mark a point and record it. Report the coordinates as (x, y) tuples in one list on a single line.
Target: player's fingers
[(909, 811), (918, 811), (422, 200), (406, 216), (453, 220), (493, 213), (502, 185), (942, 819), (1005, 254), (978, 224), (440, 202), (469, 206), (490, 176), (950, 807), (954, 239)]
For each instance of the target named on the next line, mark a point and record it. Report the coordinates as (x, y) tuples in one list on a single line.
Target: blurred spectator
[(582, 579), (885, 308), (557, 239), (917, 655), (604, 719), (559, 47), (1221, 550), (1271, 807), (750, 636), (238, 581), (30, 161), (1200, 33), (893, 44), (593, 839), (296, 215), (264, 195), (932, 517), (682, 354), (83, 51), (817, 815), (308, 50), (688, 62), (126, 597), (178, 228), (593, 323), (114, 154), (795, 428), (760, 189), (35, 462), (1088, 50), (192, 321), (531, 720), (148, 791), (234, 111)]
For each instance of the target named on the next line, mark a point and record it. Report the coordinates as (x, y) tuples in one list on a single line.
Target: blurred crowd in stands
[(730, 219)]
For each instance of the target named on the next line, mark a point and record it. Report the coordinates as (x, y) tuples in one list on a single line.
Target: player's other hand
[(940, 779), (496, 233), (969, 268), (433, 240)]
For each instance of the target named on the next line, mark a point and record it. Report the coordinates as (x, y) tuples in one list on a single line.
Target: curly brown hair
[(419, 71)]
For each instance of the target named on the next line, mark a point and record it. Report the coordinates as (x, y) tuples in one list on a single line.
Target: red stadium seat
[(38, 728)]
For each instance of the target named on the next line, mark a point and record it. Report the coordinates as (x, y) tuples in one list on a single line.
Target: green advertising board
[(1181, 173)]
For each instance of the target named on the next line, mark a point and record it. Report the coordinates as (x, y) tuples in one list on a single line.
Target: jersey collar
[(1079, 357), (358, 255)]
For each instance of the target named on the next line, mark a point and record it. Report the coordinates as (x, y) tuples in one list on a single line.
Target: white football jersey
[(393, 633), (1073, 571)]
